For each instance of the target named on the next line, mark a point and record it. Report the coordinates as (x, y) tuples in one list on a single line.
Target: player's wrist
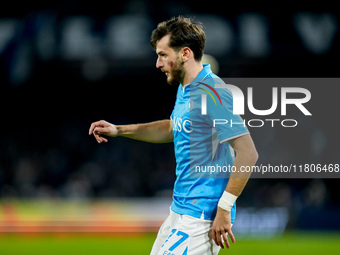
[(119, 130), (227, 201), (126, 130)]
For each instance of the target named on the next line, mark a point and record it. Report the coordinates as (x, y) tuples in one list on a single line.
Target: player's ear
[(185, 54)]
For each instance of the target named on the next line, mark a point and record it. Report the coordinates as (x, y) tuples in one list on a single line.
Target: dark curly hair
[(183, 33)]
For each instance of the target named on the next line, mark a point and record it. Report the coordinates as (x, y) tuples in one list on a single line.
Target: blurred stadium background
[(68, 63)]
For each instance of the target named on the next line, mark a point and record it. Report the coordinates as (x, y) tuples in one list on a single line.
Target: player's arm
[(246, 155), (153, 132)]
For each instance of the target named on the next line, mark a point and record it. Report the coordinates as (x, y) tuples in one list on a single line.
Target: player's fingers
[(104, 139), (96, 124), (219, 239), (213, 235), (100, 139), (226, 241), (97, 137), (92, 127), (101, 130), (231, 235), (215, 238)]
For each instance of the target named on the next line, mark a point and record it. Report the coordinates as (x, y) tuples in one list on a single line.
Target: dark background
[(66, 64)]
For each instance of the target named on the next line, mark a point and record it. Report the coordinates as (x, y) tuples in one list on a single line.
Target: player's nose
[(159, 63)]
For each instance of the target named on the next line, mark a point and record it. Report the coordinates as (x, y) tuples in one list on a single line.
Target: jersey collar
[(201, 76)]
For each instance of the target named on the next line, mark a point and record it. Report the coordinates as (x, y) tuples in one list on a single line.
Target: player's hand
[(222, 227), (102, 127)]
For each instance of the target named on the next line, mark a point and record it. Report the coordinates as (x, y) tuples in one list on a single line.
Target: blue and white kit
[(200, 144)]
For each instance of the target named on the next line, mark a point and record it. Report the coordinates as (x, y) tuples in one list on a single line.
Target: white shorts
[(184, 235)]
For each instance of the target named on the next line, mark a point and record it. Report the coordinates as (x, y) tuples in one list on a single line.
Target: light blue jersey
[(203, 154)]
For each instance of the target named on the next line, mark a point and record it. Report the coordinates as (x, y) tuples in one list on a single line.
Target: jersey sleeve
[(220, 113)]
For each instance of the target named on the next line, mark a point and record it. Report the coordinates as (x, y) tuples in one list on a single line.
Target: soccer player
[(203, 208)]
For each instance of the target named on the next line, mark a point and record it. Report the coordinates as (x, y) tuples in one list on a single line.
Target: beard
[(177, 73)]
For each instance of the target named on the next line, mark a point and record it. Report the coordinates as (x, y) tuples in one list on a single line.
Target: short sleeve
[(220, 114)]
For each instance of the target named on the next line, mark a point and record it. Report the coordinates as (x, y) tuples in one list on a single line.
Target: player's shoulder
[(212, 80), (215, 83)]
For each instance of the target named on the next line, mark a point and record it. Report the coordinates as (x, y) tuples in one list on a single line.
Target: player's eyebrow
[(160, 52)]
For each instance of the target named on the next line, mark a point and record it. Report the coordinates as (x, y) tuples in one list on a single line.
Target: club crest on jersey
[(189, 105)]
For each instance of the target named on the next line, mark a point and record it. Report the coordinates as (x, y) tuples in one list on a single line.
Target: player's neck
[(192, 70)]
